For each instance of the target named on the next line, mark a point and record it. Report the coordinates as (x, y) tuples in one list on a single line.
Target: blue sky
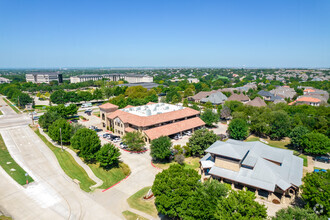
[(164, 33)]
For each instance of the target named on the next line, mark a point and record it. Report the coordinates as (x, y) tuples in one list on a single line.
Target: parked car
[(86, 105), (36, 118), (122, 145), (324, 159), (98, 129), (188, 133), (116, 140)]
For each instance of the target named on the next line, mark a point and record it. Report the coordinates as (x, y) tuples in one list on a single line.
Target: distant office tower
[(44, 77)]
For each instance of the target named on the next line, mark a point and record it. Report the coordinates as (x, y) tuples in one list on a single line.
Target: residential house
[(239, 97), (270, 172), (256, 102), (216, 98), (304, 100), (197, 97), (284, 92)]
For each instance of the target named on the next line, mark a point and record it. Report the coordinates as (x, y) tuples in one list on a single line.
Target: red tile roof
[(309, 90), (308, 99), (129, 129), (174, 128), (129, 106), (108, 106), (144, 121)]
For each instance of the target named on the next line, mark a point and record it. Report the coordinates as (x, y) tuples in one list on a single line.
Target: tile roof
[(108, 106), (129, 106), (257, 102), (144, 121), (129, 129), (174, 128), (308, 99), (238, 97)]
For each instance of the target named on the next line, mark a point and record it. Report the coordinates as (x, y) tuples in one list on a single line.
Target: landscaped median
[(75, 171), (11, 167), (189, 162), (12, 106), (68, 164), (132, 216)]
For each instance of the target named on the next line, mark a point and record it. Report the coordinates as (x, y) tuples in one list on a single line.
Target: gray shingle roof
[(266, 173), (215, 98)]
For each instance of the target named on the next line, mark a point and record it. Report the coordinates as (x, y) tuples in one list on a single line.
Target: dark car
[(323, 159)]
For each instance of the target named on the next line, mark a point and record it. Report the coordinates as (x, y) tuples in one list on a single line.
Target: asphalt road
[(53, 195)]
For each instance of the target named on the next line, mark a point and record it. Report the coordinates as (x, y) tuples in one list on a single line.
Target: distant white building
[(193, 80), (4, 80), (44, 77), (130, 78)]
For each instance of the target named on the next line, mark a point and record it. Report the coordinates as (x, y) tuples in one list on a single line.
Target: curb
[(155, 166), (116, 183)]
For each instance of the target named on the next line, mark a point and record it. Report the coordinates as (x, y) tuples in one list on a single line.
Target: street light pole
[(61, 138)]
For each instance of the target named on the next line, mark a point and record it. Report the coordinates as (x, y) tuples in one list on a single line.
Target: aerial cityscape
[(143, 110)]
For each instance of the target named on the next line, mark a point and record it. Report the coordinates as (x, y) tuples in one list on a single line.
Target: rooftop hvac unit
[(148, 112)]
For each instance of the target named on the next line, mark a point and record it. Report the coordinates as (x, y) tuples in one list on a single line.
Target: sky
[(164, 33)]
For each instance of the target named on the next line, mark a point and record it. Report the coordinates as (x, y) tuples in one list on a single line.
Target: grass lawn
[(189, 162), (1, 113), (279, 144), (112, 176), (2, 217), (68, 164), (131, 216), (13, 107), (8, 163), (137, 202)]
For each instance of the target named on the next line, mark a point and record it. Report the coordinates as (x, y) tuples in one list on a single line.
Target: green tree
[(296, 136), (185, 103), (280, 124), (23, 99), (296, 214), (188, 92), (195, 106), (234, 105), (58, 97), (48, 119), (172, 187), (315, 143), (58, 128), (200, 140), (208, 105), (316, 190), (87, 142), (71, 110), (238, 129), (209, 117), (97, 94), (240, 205), (108, 156), (203, 202), (134, 141), (161, 148)]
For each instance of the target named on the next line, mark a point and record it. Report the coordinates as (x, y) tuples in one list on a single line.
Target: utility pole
[(61, 138)]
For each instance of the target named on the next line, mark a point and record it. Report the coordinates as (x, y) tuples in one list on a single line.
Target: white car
[(116, 140)]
